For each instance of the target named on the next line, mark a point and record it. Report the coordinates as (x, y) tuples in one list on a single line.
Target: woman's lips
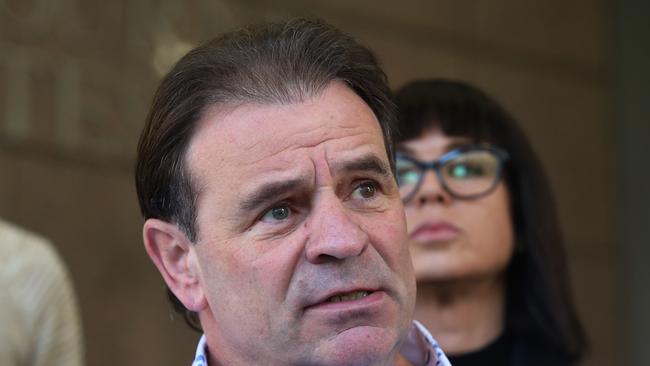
[(434, 231)]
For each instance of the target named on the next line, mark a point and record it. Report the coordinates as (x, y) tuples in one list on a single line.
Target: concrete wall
[(76, 79)]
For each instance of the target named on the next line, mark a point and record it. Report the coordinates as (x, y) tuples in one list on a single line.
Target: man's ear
[(175, 257)]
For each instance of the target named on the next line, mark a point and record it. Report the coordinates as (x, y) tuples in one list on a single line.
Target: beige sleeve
[(39, 305)]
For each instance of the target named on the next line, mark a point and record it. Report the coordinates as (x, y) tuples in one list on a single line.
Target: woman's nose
[(432, 191)]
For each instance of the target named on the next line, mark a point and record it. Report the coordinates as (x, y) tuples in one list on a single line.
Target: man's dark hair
[(272, 63), (538, 299)]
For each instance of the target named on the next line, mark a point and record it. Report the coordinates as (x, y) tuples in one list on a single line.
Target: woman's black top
[(511, 350)]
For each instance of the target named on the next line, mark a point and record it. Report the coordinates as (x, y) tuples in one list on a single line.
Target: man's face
[(302, 254)]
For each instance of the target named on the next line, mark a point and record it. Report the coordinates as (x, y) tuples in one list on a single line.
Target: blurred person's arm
[(38, 312)]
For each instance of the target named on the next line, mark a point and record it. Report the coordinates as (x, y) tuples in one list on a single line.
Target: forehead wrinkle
[(296, 147), (301, 140), (368, 162)]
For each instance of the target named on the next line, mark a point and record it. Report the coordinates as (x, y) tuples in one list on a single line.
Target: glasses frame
[(435, 165)]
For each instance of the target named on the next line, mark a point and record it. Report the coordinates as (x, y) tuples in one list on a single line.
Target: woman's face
[(455, 239)]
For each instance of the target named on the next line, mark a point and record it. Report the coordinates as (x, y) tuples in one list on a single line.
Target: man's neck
[(464, 315)]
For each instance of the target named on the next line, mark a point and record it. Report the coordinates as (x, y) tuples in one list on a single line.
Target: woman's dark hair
[(538, 299)]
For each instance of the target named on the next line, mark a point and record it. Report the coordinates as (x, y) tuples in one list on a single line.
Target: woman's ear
[(175, 257)]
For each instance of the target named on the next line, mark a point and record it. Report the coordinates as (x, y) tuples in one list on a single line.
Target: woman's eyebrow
[(403, 149), (454, 143)]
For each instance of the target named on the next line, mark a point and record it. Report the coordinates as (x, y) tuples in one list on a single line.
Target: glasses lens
[(471, 173), (408, 176)]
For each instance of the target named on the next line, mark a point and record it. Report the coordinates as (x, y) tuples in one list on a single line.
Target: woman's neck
[(463, 316)]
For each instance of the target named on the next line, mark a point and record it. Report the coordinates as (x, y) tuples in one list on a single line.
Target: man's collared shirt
[(419, 345)]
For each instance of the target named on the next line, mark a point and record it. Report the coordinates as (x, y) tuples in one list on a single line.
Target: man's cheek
[(389, 229)]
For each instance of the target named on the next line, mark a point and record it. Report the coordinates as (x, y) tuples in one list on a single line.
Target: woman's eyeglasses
[(468, 172)]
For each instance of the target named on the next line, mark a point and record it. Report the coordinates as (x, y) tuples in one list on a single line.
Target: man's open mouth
[(356, 295)]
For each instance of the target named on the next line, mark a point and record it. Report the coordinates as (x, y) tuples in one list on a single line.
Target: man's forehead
[(249, 132)]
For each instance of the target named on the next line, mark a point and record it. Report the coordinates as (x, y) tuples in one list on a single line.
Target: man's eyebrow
[(368, 163), (270, 191)]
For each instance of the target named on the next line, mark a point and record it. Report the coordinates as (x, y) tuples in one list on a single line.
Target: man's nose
[(334, 233), (431, 190)]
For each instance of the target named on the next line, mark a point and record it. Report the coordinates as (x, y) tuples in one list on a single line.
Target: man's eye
[(366, 190), (277, 213)]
